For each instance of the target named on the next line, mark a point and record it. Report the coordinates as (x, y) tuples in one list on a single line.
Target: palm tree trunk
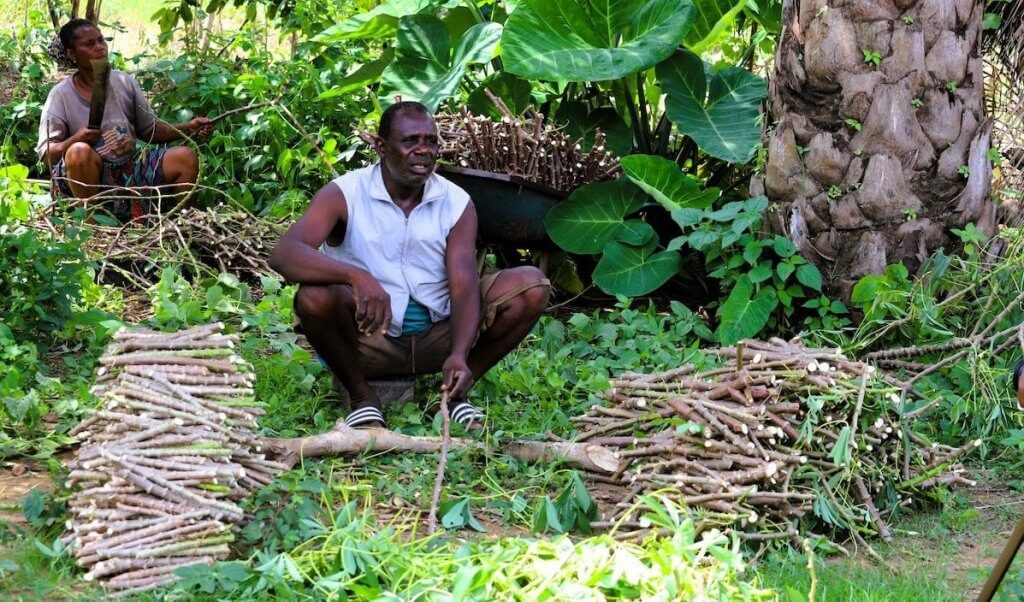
[(877, 137)]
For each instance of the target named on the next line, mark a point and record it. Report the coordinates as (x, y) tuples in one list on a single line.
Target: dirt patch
[(8, 80), (15, 483)]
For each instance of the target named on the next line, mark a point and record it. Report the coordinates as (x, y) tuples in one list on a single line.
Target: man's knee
[(181, 162), (320, 301), (80, 155), (533, 298)]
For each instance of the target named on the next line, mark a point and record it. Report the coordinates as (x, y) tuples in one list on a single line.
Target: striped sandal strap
[(466, 413), (365, 416)]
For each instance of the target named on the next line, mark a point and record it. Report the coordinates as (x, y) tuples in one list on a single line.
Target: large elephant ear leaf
[(569, 40), (594, 215), (720, 115), (663, 180), (424, 68), (633, 270), (713, 18), (744, 314), (379, 22)]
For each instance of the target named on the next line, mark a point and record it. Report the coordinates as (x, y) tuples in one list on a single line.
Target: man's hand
[(200, 127), (457, 377), (373, 305), (87, 135)]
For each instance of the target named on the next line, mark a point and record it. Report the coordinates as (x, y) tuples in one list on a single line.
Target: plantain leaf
[(663, 180), (365, 75), (568, 40), (424, 68), (743, 315), (712, 19), (593, 216), (379, 22), (630, 270), (720, 113)]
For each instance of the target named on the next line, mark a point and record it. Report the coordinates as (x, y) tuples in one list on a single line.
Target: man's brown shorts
[(384, 356)]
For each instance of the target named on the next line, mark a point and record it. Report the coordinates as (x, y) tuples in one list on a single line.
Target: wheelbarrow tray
[(510, 211)]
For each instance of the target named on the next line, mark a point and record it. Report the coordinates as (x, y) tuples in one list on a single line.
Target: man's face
[(89, 44), (409, 153)]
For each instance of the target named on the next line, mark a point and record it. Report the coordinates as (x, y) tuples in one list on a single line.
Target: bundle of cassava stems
[(771, 433)]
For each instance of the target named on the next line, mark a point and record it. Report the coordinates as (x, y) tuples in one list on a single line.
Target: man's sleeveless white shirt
[(405, 254)]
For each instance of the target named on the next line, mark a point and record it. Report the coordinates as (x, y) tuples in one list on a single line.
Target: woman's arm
[(164, 132)]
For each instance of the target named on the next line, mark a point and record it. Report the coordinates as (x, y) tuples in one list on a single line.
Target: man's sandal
[(366, 416), (466, 414)]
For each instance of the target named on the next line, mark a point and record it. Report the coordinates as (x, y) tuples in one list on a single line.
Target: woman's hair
[(67, 33)]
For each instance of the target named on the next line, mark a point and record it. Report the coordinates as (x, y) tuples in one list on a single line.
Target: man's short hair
[(388, 116)]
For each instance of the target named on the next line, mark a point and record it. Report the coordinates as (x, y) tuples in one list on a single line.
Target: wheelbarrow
[(510, 211)]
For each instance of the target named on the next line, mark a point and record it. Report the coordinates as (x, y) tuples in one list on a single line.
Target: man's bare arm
[(297, 257), (464, 291)]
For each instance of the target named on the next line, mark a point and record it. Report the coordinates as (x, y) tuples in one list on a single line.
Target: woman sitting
[(85, 161)]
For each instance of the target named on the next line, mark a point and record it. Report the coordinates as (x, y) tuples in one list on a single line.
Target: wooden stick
[(442, 462)]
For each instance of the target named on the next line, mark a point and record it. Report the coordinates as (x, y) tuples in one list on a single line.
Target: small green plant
[(834, 192), (964, 171), (856, 125), (994, 156), (872, 57), (951, 86), (858, 151), (917, 103), (908, 19), (909, 215)]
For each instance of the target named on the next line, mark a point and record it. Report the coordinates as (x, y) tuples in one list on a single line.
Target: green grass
[(848, 581)]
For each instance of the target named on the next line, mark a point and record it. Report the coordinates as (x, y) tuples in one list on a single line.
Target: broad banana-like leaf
[(719, 112), (633, 270), (573, 40), (366, 74), (712, 19), (425, 69), (378, 22), (663, 180), (594, 215)]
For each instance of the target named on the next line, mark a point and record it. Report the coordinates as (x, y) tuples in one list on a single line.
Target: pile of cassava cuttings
[(777, 433), (165, 458), (527, 149), (206, 241)]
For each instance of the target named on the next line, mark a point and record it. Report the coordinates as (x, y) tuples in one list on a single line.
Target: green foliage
[(565, 40), (574, 509), (635, 270), (593, 217), (666, 183), (953, 297), (713, 18), (719, 111), (425, 68)]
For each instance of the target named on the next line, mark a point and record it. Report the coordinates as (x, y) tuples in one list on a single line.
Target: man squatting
[(385, 260)]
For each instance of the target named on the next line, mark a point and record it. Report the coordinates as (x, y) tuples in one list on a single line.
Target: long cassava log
[(344, 441)]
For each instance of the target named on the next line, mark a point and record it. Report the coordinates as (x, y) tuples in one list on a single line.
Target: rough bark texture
[(866, 163)]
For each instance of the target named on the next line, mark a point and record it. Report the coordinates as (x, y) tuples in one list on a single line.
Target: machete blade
[(101, 76)]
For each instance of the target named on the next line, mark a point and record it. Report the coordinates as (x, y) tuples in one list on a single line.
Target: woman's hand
[(200, 127), (87, 135)]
